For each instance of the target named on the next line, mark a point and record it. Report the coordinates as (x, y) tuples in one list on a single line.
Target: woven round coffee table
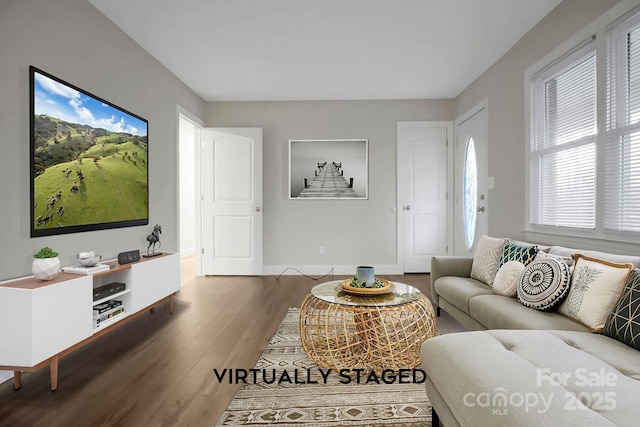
[(339, 330)]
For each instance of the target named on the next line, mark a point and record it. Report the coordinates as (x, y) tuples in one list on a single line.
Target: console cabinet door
[(15, 327), (62, 316), (36, 324), (154, 280)]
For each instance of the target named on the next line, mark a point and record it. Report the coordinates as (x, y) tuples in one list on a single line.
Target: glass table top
[(332, 292)]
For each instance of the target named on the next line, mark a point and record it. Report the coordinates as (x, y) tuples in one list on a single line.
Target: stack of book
[(106, 311)]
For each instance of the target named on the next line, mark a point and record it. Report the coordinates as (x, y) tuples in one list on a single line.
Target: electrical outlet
[(322, 250)]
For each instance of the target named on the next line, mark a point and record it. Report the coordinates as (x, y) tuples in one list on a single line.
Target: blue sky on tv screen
[(63, 102)]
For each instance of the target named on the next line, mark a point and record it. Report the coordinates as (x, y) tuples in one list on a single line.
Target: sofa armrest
[(448, 266)]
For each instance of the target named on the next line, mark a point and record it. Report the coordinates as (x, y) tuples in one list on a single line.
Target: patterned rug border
[(328, 403)]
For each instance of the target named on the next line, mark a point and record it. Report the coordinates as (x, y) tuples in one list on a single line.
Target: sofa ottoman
[(532, 378)]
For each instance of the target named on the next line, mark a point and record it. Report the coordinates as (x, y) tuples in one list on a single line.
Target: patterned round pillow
[(544, 284)]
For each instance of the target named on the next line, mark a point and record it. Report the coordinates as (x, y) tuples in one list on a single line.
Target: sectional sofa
[(526, 364)]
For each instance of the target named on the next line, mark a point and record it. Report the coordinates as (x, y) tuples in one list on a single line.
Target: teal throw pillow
[(514, 252)]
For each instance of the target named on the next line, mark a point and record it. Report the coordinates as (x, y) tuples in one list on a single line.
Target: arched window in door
[(470, 197)]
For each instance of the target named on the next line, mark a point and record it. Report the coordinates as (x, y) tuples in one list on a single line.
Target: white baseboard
[(319, 270)]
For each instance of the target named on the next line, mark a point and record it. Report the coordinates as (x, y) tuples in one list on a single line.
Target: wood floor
[(157, 370)]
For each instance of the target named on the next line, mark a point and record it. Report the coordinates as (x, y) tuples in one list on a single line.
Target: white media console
[(41, 321)]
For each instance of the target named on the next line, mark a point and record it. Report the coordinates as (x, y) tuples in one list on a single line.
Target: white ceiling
[(241, 50)]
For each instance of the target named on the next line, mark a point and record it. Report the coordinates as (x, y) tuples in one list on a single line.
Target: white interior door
[(471, 180), (232, 201), (422, 193)]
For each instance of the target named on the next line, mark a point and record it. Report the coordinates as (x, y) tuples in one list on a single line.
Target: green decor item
[(46, 252)]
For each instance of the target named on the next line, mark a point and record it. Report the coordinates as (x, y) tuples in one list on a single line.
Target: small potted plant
[(46, 264)]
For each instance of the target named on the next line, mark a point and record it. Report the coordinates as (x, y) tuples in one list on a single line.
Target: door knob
[(480, 209), (407, 208), (257, 208)]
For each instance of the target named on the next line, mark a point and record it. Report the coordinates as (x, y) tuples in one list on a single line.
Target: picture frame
[(328, 169)]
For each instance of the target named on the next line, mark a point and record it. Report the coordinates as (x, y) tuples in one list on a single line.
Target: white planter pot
[(45, 268)]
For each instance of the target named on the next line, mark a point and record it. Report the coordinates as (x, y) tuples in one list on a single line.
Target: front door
[(422, 193), (232, 201), (471, 180)]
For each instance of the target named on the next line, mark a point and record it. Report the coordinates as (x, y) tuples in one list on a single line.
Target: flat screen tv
[(89, 164)]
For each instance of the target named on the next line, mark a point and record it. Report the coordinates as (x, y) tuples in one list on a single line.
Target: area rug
[(286, 388)]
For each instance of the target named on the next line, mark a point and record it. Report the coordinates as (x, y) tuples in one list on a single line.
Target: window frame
[(599, 237)]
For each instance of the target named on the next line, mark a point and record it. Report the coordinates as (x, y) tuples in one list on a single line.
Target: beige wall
[(73, 41), (354, 231), (294, 229), (503, 86)]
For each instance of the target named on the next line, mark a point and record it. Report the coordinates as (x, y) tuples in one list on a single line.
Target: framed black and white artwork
[(328, 169)]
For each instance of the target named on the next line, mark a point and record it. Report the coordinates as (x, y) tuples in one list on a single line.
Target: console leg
[(437, 311), (170, 304), (435, 419), (17, 380), (53, 368)]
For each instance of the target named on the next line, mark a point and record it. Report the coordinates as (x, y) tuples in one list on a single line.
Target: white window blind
[(622, 154), (563, 142)]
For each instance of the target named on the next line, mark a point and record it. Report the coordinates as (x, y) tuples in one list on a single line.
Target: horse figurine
[(154, 238)]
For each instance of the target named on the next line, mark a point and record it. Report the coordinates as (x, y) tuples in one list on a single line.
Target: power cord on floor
[(330, 273)]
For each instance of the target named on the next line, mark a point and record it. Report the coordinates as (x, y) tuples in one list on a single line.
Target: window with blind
[(563, 142), (622, 149), (580, 178)]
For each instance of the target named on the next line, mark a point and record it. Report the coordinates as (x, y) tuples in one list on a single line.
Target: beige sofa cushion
[(569, 252), (596, 285), (458, 291), (486, 260), (499, 312), (507, 278)]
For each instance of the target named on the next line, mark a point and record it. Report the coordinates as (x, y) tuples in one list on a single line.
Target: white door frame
[(399, 206), (197, 173)]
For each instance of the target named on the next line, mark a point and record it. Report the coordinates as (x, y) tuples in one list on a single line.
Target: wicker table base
[(340, 336)]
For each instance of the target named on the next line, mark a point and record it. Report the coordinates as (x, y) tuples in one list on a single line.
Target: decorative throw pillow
[(596, 285), (514, 252), (544, 284), (487, 258), (507, 278), (623, 323)]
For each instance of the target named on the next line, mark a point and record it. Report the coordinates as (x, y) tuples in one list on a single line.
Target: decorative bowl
[(346, 287), (88, 259)]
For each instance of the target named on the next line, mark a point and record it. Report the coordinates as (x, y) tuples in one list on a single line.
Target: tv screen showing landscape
[(89, 164)]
